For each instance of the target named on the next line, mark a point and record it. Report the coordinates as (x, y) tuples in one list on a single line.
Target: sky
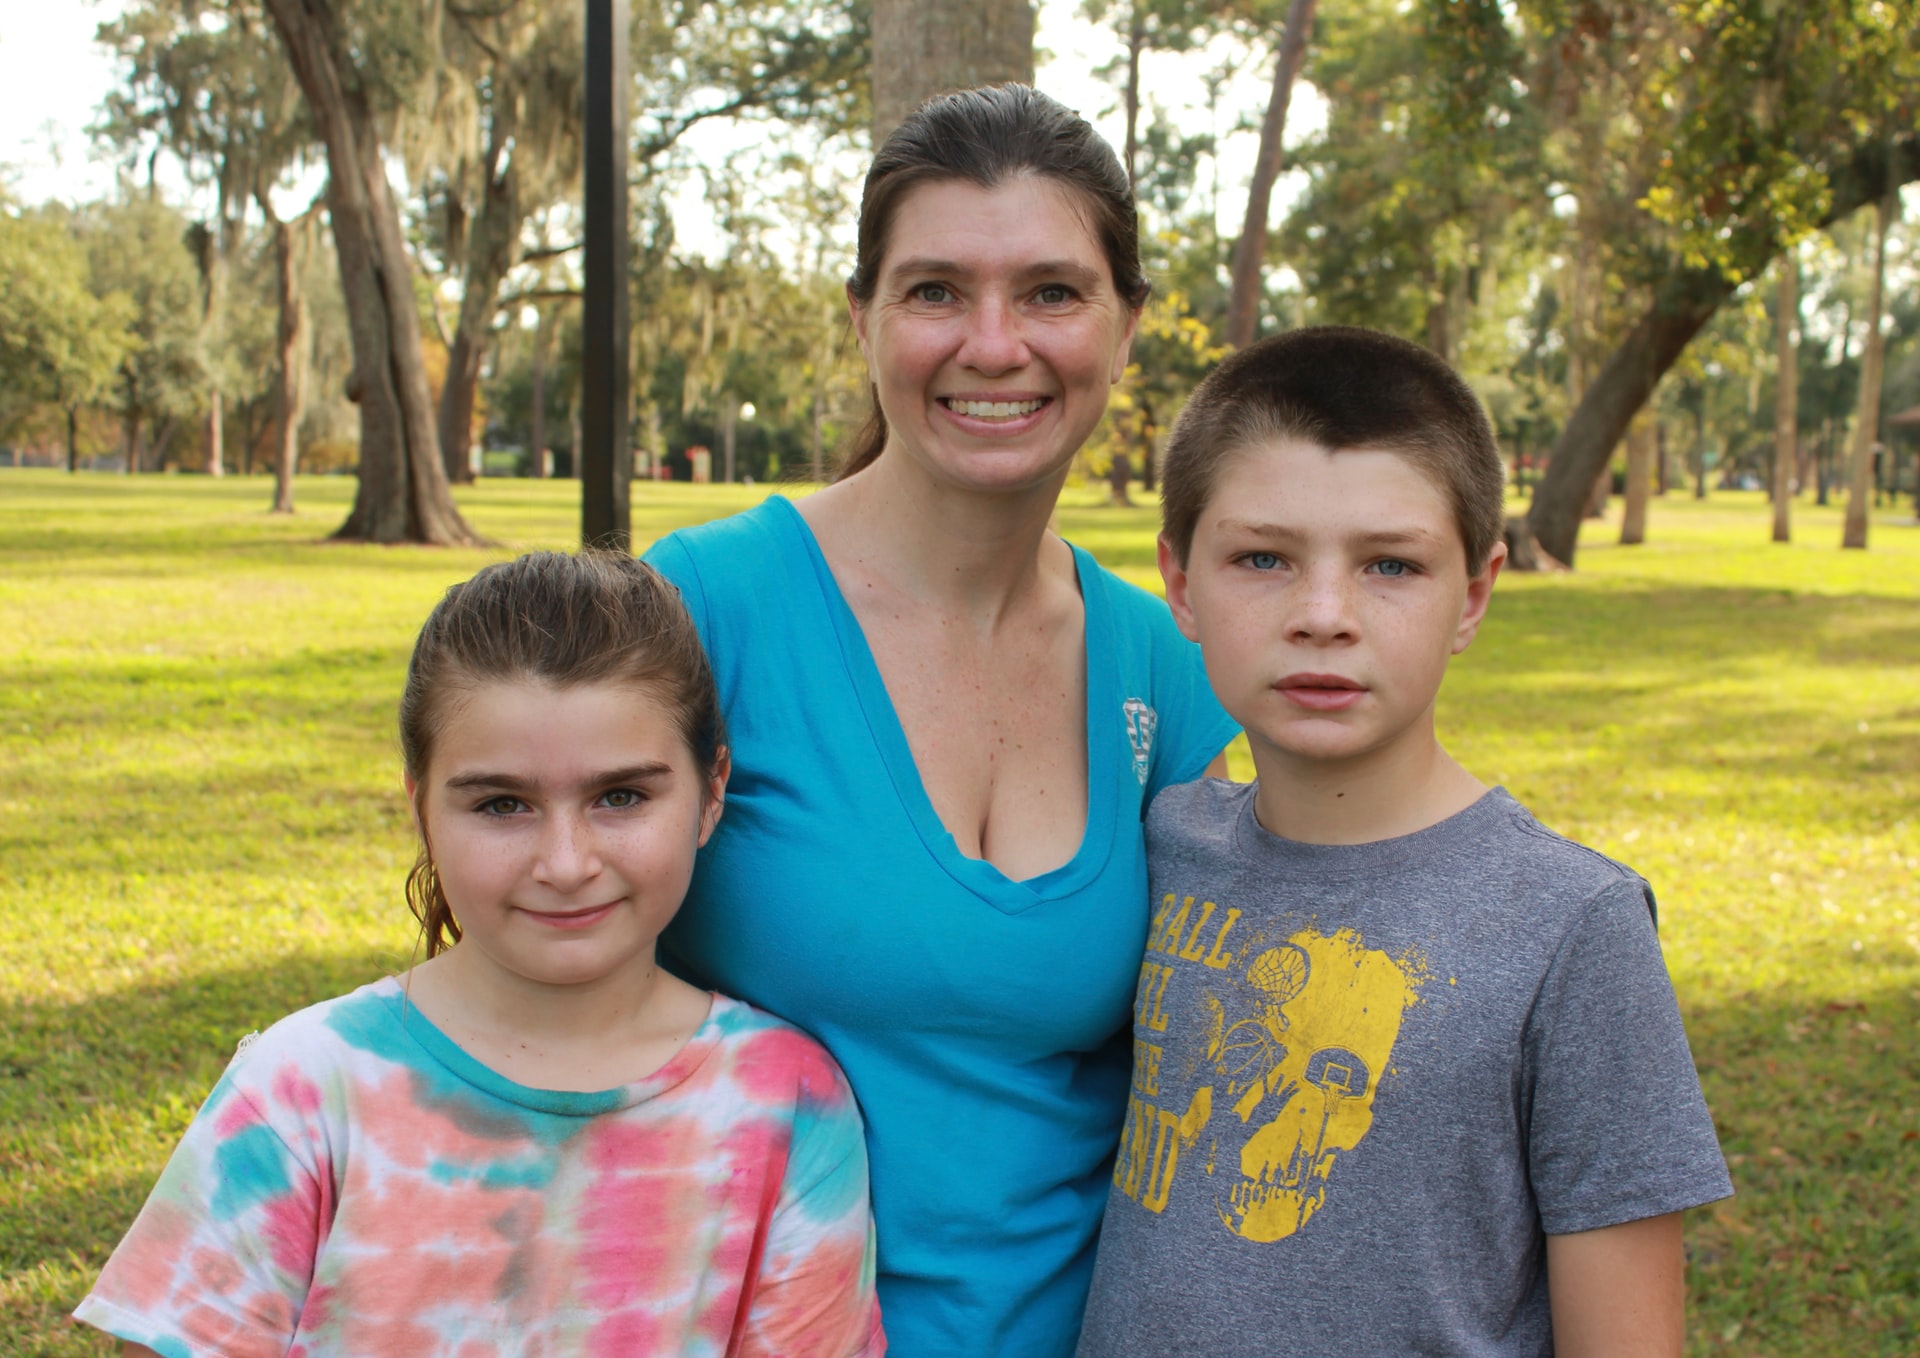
[(53, 79)]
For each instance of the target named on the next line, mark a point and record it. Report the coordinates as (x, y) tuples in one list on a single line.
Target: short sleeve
[(815, 1295), (671, 558), (221, 1257), (1617, 1127), (1193, 726)]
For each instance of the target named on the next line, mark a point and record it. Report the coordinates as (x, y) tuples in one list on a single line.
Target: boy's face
[(1328, 591)]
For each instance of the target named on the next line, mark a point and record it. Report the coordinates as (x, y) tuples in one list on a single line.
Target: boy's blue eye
[(1263, 561), (1393, 569)]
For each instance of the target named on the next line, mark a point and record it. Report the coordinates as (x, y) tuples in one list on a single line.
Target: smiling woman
[(947, 724)]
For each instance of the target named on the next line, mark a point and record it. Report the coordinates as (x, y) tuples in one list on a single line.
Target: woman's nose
[(995, 342)]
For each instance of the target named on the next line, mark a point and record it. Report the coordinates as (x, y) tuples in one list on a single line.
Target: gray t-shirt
[(1369, 1079)]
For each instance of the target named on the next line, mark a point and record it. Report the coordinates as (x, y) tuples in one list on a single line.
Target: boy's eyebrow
[(507, 782), (1380, 537)]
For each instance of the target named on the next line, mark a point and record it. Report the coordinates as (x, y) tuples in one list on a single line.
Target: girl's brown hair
[(556, 619), (987, 136)]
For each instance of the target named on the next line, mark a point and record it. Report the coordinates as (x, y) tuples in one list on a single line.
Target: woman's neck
[(966, 553)]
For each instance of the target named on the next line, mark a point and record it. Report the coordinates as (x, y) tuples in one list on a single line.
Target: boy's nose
[(1323, 608)]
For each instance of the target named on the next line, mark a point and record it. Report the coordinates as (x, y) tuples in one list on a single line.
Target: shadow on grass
[(1819, 1251), (92, 1094)]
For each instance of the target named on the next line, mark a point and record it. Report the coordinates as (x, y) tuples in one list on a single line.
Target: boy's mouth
[(1321, 692)]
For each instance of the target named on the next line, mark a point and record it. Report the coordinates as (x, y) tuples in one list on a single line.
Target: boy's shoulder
[(1496, 845)]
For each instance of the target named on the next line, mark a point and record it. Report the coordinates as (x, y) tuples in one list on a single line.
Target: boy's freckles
[(1328, 590)]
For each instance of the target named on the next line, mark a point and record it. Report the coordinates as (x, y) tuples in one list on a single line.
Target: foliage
[(204, 829), (60, 344)]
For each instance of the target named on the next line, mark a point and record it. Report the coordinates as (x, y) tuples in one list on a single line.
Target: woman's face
[(994, 332)]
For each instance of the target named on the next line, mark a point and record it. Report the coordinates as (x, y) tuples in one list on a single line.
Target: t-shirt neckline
[(978, 875), (453, 1058)]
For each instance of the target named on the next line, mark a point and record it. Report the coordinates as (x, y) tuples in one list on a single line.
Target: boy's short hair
[(1341, 387)]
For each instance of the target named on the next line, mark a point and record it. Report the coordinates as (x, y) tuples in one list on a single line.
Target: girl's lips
[(572, 919), (1320, 692)]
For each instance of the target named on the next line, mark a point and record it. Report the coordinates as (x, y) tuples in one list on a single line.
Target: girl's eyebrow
[(507, 782)]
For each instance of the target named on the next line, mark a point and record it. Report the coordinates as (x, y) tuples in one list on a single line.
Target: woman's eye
[(933, 292), (1054, 294)]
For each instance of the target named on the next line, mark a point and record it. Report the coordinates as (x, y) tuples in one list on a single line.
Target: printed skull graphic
[(1302, 1072)]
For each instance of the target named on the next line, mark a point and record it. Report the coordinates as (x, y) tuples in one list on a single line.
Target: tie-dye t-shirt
[(358, 1185)]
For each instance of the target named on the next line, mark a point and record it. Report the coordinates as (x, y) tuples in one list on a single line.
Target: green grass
[(201, 828)]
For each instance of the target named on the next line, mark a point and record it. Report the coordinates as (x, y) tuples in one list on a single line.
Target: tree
[(1866, 429), (1786, 417), (926, 47), (351, 57), (1633, 519), (1249, 252), (60, 344)]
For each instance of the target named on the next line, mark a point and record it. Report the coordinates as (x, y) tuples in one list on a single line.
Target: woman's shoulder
[(768, 529)]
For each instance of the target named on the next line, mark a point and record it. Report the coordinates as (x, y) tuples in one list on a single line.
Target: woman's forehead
[(1029, 217)]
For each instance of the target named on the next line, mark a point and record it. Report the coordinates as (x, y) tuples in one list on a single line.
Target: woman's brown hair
[(555, 619), (988, 136)]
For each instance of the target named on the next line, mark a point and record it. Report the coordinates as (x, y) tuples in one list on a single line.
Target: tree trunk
[(1633, 522), (542, 456), (1866, 428), (216, 442), (1786, 396), (1119, 477), (1682, 303), (492, 250), (73, 440), (1249, 252), (403, 494), (289, 378), (729, 420), (926, 47)]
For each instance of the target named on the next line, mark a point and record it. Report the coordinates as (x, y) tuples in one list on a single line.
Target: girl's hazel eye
[(622, 799), (500, 806)]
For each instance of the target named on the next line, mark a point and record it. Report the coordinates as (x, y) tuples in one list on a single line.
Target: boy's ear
[(716, 793), (1479, 595), (1175, 575)]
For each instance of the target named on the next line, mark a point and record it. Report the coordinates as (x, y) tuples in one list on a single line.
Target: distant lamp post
[(605, 464), (730, 416)]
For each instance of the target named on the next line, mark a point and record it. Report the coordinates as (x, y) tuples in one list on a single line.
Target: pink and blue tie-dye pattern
[(358, 1185)]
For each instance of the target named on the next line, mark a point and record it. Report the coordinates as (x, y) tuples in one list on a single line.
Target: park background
[(1665, 244)]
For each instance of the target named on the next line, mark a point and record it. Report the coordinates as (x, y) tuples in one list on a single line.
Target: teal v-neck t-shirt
[(981, 1021)]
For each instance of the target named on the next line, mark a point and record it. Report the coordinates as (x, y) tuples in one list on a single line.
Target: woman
[(947, 724)]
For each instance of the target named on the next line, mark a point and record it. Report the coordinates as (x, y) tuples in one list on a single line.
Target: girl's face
[(994, 331), (563, 824)]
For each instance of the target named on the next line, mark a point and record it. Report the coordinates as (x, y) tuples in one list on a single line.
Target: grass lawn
[(201, 828)]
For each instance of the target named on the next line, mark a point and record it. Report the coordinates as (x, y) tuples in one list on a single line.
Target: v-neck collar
[(890, 738)]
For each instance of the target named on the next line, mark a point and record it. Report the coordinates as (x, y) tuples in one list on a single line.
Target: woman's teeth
[(991, 409)]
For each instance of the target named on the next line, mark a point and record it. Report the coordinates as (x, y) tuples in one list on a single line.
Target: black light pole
[(606, 465)]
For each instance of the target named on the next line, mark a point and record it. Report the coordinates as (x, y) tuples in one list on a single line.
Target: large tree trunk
[(1866, 428), (1633, 522), (492, 250), (1786, 397), (290, 375), (1683, 302), (403, 494), (1250, 251), (926, 47)]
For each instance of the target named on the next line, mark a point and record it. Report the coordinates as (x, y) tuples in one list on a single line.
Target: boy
[(1408, 1072)]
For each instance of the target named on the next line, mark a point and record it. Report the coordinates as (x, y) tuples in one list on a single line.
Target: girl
[(536, 1142)]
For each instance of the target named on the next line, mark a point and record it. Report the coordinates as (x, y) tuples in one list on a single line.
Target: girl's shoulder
[(771, 1057), (325, 1036)]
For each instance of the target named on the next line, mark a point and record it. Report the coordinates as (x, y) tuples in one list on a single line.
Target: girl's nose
[(569, 856)]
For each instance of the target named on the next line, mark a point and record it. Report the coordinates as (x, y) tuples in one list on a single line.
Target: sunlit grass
[(201, 828)]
